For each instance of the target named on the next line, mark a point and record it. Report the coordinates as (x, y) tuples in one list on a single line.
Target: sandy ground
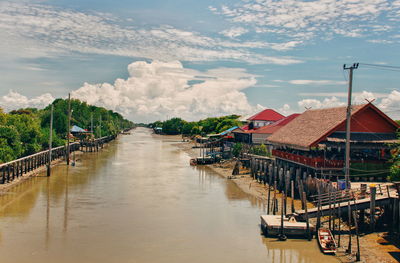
[(374, 247)]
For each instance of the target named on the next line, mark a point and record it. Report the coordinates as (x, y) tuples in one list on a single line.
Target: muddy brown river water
[(138, 200)]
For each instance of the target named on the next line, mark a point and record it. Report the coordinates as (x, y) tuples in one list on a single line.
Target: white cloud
[(318, 104), (364, 94), (305, 20), (285, 110), (14, 100), (315, 82), (388, 103), (39, 30), (234, 32), (391, 104), (159, 89)]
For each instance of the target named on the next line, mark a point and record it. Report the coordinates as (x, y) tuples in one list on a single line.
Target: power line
[(379, 65)]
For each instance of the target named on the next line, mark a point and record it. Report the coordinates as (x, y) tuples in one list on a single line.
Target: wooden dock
[(381, 198), (271, 226)]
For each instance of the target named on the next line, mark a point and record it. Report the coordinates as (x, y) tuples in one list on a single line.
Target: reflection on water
[(138, 200)]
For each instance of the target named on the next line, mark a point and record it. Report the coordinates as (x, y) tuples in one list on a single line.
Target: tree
[(173, 126), (227, 123), (237, 149)]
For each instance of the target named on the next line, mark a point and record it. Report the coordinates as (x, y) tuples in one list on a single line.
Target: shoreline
[(375, 247), (4, 188)]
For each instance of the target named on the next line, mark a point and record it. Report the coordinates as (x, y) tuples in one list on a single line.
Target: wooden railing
[(11, 170), (317, 162)]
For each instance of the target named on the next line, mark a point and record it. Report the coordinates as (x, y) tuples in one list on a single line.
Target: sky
[(157, 59)]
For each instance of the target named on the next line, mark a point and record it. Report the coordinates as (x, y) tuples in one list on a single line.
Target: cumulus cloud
[(305, 20), (318, 104), (48, 31), (391, 104), (387, 102), (315, 82), (13, 100), (285, 109), (158, 90)]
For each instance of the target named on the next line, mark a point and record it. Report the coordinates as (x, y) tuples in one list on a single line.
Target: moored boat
[(326, 241)]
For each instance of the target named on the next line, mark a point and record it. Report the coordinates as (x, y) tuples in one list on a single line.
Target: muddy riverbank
[(375, 247)]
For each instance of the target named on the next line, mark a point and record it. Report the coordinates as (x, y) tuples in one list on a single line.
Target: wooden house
[(315, 141)]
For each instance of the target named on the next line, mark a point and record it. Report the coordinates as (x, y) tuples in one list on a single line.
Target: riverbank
[(4, 188), (375, 247)]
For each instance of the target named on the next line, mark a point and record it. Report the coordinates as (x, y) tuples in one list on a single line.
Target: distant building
[(264, 118), (260, 135), (261, 119)]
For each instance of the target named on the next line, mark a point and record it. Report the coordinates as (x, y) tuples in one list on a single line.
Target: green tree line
[(26, 131), (203, 127)]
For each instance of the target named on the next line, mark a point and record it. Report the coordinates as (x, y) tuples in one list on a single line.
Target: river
[(138, 200)]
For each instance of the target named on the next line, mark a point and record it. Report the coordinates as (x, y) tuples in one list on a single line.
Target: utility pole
[(91, 123), (50, 140), (348, 123), (100, 128), (69, 124)]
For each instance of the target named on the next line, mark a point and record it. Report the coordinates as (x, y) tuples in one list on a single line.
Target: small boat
[(326, 241), (193, 162)]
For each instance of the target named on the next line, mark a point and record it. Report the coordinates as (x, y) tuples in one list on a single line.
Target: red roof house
[(260, 135), (264, 118), (316, 138)]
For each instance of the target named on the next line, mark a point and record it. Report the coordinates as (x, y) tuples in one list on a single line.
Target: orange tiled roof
[(310, 127)]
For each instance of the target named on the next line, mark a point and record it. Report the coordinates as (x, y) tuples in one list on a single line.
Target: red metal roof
[(269, 129), (313, 126), (266, 115)]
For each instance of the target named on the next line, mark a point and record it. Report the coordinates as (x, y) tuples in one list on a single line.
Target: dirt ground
[(374, 247)]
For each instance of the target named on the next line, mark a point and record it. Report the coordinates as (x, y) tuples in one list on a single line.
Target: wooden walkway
[(359, 204)]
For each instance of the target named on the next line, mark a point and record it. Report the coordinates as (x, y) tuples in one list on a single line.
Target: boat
[(326, 241), (193, 161)]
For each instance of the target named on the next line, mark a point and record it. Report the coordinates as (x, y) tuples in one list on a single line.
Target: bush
[(260, 150), (237, 149)]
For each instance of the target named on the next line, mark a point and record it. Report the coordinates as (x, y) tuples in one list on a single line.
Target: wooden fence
[(14, 169)]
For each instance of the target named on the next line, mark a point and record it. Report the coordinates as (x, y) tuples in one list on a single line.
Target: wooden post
[(282, 236), (358, 242), (292, 194), (269, 197), (319, 209), (372, 207), (275, 208), (330, 206), (333, 217), (349, 217), (307, 221), (340, 218)]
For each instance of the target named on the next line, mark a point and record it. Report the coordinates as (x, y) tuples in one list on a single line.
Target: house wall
[(369, 121), (259, 138), (258, 124)]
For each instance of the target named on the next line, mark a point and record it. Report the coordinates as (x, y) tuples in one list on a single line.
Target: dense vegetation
[(26, 131), (202, 127)]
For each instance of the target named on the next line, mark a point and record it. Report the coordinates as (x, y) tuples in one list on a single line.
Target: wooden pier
[(12, 170)]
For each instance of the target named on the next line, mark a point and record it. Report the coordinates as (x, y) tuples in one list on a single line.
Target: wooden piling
[(307, 221), (275, 208), (292, 194), (372, 190), (358, 256)]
